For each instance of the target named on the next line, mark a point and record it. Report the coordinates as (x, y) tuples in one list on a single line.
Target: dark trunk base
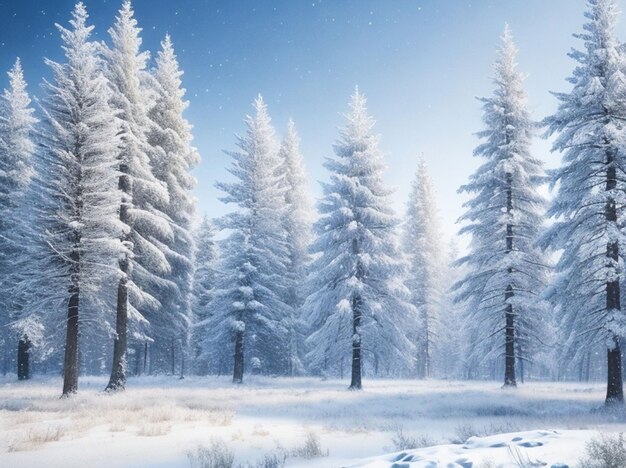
[(614, 388), (23, 359), (238, 368), (117, 382), (70, 364)]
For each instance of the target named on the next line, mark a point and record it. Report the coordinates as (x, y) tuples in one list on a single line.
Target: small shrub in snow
[(34, 438), (605, 451), (275, 459), (215, 455), (466, 430), (403, 441), (312, 447), (522, 459)]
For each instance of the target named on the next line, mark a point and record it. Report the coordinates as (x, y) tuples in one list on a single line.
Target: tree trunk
[(173, 356), (614, 390), (118, 368), (238, 369), (509, 340), (145, 357), (23, 358), (426, 343), (118, 371), (355, 383), (138, 359), (70, 364), (182, 360), (7, 352)]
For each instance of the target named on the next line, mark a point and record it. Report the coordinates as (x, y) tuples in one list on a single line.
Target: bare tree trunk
[(7, 352), (182, 359), (70, 363), (118, 371), (355, 383), (23, 358), (614, 388), (138, 360), (238, 369), (509, 343), (173, 356), (145, 357)]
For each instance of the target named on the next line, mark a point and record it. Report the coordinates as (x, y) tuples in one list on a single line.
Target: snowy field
[(158, 421)]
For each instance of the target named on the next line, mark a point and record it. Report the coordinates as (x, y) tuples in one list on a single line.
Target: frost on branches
[(144, 266), (297, 225), (204, 279), (426, 265), (589, 204), (80, 177), (506, 272), (16, 170), (248, 311), (172, 158), (358, 305)]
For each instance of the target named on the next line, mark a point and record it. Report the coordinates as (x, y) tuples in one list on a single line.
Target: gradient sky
[(420, 63)]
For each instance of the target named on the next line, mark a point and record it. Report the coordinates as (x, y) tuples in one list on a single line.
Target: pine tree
[(80, 147), (16, 170), (589, 205), (204, 281), (248, 311), (506, 273), (145, 265), (297, 224), (424, 253), (172, 159), (357, 301)]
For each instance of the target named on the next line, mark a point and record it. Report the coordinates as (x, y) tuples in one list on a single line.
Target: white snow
[(159, 419), (557, 449)]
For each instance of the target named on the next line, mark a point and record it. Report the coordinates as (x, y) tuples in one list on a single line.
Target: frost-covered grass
[(161, 420)]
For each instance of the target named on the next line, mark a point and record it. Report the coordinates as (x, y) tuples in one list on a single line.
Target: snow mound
[(552, 449)]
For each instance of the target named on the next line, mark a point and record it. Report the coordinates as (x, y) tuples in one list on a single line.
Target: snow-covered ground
[(159, 420)]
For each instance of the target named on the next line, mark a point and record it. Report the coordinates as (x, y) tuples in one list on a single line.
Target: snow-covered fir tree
[(172, 158), (449, 357), (80, 147), (506, 272), (357, 305), (145, 266), (589, 204), (204, 279), (16, 170), (426, 265), (297, 224), (248, 312)]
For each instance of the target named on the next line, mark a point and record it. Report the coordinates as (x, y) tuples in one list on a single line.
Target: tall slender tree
[(248, 310), (145, 265), (16, 170), (297, 223), (80, 146), (358, 301), (173, 157), (204, 283), (589, 205), (506, 272), (426, 265)]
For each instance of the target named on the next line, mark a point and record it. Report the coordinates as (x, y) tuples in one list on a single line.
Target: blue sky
[(420, 62)]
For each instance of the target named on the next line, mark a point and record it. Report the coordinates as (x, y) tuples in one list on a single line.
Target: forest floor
[(163, 421)]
